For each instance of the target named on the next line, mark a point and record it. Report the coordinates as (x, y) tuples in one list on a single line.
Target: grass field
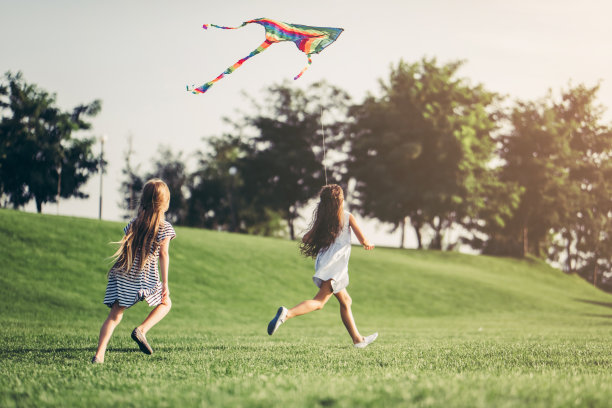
[(455, 330)]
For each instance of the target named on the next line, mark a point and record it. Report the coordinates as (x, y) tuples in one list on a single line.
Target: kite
[(310, 40)]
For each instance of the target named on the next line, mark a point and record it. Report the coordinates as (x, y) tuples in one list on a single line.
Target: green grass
[(455, 330)]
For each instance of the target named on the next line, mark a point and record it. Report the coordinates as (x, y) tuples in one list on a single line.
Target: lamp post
[(59, 186), (103, 140), (232, 172)]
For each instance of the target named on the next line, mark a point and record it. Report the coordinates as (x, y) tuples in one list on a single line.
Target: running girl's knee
[(319, 305), (115, 316)]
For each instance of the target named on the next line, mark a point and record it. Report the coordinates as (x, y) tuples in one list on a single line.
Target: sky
[(138, 56)]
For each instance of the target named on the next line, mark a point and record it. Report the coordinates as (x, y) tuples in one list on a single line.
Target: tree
[(283, 166), (39, 158), (132, 185), (213, 195), (170, 167), (583, 237), (419, 151), (218, 196), (558, 153)]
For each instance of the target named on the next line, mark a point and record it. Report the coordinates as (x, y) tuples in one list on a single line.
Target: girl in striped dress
[(134, 276), (329, 240)]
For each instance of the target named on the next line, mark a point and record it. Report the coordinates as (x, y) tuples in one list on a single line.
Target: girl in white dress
[(329, 240)]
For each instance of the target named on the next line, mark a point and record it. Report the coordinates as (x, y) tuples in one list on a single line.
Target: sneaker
[(279, 319), (95, 360), (141, 340), (366, 340)]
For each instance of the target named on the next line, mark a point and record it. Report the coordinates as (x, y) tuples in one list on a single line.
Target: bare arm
[(362, 239), (164, 263)]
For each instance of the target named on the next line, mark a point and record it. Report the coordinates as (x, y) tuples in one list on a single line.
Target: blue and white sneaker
[(366, 340), (281, 315)]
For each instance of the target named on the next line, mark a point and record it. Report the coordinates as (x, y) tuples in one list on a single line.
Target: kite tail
[(205, 26), (305, 68), (231, 69)]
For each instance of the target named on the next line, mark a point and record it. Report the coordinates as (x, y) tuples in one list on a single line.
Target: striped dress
[(130, 288)]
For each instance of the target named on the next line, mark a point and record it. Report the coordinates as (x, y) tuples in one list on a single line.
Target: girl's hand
[(165, 292), (367, 246)]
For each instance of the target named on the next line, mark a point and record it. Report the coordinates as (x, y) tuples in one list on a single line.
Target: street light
[(103, 140), (59, 185), (232, 172)]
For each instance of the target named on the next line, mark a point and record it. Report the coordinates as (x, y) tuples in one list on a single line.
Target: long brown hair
[(141, 233), (327, 221)]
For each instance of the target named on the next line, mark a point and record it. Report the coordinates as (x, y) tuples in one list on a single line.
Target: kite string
[(323, 132)]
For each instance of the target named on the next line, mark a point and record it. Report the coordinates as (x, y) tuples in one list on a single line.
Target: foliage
[(586, 225), (558, 152), (131, 185), (422, 149), (170, 167), (39, 157), (283, 166)]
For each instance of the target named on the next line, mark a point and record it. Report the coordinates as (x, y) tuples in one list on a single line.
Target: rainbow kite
[(310, 40)]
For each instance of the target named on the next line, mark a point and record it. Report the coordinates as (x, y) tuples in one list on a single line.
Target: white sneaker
[(281, 315), (366, 340)]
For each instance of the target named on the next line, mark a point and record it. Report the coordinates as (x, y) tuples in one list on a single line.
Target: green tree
[(39, 157), (213, 187), (131, 185), (219, 197), (558, 152), (283, 166), (420, 150), (535, 155), (170, 167), (583, 238)]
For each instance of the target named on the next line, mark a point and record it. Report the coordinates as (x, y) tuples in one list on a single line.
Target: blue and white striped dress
[(130, 288)]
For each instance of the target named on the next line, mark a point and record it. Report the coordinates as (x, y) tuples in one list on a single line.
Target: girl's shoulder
[(165, 230), (347, 217)]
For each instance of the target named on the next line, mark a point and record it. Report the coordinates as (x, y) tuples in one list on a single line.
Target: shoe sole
[(142, 342), (273, 325)]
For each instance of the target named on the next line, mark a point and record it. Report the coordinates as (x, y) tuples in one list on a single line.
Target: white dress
[(332, 263)]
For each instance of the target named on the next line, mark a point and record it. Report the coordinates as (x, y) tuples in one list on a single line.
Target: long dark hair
[(327, 221), (141, 234)]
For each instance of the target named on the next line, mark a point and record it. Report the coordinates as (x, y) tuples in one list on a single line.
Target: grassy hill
[(455, 329)]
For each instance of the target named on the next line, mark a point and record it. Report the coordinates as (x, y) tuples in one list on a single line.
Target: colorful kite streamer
[(310, 40)]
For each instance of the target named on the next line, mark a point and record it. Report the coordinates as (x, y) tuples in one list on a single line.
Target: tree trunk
[(38, 206), (419, 238), (291, 229), (525, 241), (417, 230), (436, 243), (568, 261)]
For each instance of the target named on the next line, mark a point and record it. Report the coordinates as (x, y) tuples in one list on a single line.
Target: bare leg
[(317, 303), (347, 315), (156, 315), (106, 331)]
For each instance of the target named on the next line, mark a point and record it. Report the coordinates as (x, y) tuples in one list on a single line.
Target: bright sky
[(137, 57)]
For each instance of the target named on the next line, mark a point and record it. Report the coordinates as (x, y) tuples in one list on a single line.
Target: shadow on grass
[(598, 315), (593, 302), (63, 350)]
